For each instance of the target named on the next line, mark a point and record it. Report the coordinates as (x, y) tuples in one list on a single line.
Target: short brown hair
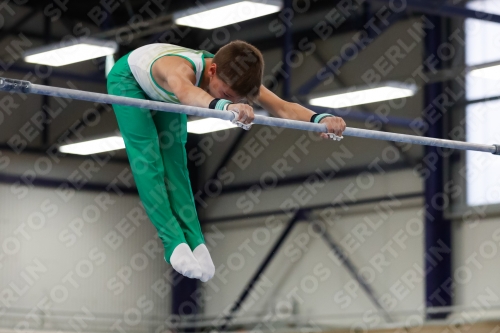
[(240, 65)]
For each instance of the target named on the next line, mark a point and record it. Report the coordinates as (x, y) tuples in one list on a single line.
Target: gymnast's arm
[(283, 109), (177, 76), (280, 108)]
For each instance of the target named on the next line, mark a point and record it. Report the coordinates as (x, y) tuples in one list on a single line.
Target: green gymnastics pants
[(155, 144)]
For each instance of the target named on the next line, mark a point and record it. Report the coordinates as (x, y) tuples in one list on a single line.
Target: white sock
[(207, 266), (184, 262)]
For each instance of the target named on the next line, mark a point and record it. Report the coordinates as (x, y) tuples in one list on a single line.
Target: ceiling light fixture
[(364, 95), (71, 51), (222, 13), (95, 146)]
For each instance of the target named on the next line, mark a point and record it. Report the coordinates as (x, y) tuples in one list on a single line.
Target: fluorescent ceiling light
[(222, 13), (491, 72), (68, 52), (94, 146), (352, 96), (208, 125)]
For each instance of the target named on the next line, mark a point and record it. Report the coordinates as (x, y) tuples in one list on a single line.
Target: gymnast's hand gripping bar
[(11, 85)]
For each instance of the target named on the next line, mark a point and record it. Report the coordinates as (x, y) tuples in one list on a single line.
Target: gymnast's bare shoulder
[(171, 69)]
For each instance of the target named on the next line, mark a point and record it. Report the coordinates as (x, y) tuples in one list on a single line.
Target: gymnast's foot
[(184, 262), (207, 266)]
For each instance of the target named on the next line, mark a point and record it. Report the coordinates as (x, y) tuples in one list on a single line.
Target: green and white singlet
[(155, 144), (142, 59)]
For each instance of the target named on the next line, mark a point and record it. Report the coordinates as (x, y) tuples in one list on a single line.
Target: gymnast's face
[(219, 89)]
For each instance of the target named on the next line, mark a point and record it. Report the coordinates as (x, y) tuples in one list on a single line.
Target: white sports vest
[(142, 59)]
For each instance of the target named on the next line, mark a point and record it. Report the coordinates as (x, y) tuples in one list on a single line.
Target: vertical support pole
[(367, 15), (183, 303), (46, 81), (437, 247), (183, 288), (287, 14)]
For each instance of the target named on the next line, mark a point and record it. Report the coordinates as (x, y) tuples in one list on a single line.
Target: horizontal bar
[(339, 204), (301, 179), (11, 85), (56, 183)]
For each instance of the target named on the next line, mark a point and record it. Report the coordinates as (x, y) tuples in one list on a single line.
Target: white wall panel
[(59, 255), (306, 278)]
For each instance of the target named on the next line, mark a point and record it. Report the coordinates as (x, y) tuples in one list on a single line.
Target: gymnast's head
[(236, 72)]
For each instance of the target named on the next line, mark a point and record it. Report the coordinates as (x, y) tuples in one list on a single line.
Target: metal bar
[(300, 179), (353, 270), (338, 204), (260, 270), (481, 100), (448, 10), (184, 303), (11, 85), (437, 227), (56, 183), (46, 81), (287, 48)]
